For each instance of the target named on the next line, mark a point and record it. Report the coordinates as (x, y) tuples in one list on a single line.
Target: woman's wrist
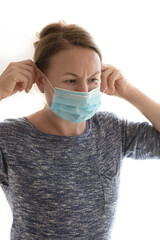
[(130, 94)]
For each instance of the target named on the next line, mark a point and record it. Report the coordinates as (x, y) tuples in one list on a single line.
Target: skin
[(75, 69), (85, 73)]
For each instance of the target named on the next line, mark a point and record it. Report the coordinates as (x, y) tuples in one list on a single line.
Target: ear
[(39, 79)]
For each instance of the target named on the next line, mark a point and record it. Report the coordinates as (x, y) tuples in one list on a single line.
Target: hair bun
[(37, 40), (52, 28), (37, 36)]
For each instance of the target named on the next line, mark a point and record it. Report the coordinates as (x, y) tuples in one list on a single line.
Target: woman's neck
[(48, 122)]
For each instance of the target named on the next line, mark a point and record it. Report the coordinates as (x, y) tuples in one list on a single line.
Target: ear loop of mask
[(36, 95), (49, 82)]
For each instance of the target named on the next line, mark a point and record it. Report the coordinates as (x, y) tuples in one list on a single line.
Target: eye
[(94, 80), (70, 81)]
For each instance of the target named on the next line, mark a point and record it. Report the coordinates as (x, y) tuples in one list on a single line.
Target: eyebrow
[(75, 75)]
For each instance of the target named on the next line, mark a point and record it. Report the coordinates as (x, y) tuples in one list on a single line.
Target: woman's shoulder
[(106, 117), (12, 122), (11, 125)]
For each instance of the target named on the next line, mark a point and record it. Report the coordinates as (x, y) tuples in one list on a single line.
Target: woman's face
[(76, 69)]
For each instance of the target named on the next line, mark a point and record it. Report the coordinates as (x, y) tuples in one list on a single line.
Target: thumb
[(103, 67)]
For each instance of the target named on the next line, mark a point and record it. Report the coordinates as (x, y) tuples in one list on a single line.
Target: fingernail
[(27, 90), (104, 90), (113, 90)]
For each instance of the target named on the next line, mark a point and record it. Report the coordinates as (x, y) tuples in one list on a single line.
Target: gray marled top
[(67, 187)]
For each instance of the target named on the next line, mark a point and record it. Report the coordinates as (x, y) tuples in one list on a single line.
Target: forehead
[(75, 59)]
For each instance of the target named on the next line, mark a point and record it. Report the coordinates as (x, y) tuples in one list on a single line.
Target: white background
[(128, 34)]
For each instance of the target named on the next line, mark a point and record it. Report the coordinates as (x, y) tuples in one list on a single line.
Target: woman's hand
[(113, 82), (18, 76)]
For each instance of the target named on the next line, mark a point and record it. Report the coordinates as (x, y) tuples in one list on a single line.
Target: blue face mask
[(75, 106)]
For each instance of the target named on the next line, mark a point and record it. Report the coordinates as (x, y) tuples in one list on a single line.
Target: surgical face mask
[(75, 106)]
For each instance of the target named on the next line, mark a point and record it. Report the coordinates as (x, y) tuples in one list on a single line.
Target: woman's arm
[(149, 108), (113, 83)]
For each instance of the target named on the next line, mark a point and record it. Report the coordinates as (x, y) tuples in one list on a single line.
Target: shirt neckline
[(41, 133)]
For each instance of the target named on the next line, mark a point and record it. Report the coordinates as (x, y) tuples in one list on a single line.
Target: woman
[(60, 167)]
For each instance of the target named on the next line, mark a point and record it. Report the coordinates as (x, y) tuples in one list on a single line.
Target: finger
[(112, 80), (12, 84), (17, 76), (27, 71), (29, 63), (26, 67), (21, 81), (104, 80), (30, 75), (104, 86), (105, 67)]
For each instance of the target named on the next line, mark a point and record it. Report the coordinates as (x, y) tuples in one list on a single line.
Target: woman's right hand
[(18, 76)]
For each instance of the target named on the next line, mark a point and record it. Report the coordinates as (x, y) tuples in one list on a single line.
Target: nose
[(82, 87)]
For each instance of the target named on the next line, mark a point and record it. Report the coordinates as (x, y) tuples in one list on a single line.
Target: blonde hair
[(60, 36)]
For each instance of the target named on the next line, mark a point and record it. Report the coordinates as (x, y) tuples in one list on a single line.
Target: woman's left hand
[(113, 82)]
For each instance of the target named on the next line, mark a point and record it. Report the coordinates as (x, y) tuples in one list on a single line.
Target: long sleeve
[(140, 141), (3, 170)]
